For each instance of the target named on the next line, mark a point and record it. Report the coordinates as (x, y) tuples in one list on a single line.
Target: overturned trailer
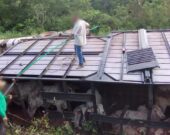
[(127, 68)]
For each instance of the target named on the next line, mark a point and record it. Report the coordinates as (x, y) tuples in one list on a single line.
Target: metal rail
[(123, 56), (18, 56), (147, 75), (68, 96), (104, 59), (62, 37), (150, 99), (70, 53), (71, 80), (69, 67), (166, 42), (134, 31), (121, 117)]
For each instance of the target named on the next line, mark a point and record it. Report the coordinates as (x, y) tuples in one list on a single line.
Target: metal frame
[(71, 80), (18, 56), (49, 78), (40, 53), (91, 97), (68, 96), (100, 72), (147, 76), (60, 37), (104, 59), (65, 95)]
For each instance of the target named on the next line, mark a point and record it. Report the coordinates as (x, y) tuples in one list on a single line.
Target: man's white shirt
[(79, 32)]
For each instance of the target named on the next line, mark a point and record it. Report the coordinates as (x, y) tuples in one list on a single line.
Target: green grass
[(26, 32), (10, 34)]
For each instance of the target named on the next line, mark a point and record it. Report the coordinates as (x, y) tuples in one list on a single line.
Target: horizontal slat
[(68, 97)]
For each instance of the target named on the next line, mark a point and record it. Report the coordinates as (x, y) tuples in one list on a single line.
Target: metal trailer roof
[(105, 59)]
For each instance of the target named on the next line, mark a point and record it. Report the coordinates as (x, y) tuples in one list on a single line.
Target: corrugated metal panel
[(141, 59)]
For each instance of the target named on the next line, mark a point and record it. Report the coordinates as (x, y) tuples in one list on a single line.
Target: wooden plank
[(113, 65), (163, 61), (117, 52), (17, 67), (25, 44), (85, 50), (89, 44), (163, 56), (24, 58), (161, 79), (115, 76), (33, 72), (162, 72), (85, 68), (164, 66), (114, 60), (7, 58), (113, 55), (54, 73), (153, 43), (160, 51), (58, 67), (3, 66), (131, 47), (112, 70), (11, 72), (159, 47), (116, 47), (127, 77), (80, 73)]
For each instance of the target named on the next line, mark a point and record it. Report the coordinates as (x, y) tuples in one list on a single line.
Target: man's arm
[(75, 31), (2, 113), (87, 24), (3, 107), (70, 37), (87, 27)]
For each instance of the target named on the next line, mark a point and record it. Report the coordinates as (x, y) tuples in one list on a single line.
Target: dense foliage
[(42, 126), (29, 16)]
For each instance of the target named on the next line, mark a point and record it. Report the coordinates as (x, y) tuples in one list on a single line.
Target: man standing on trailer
[(79, 32)]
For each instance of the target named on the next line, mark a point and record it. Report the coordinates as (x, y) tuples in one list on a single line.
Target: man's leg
[(79, 54), (75, 49), (84, 60), (2, 129)]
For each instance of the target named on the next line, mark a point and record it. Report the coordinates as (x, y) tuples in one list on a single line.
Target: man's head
[(75, 18), (2, 84)]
